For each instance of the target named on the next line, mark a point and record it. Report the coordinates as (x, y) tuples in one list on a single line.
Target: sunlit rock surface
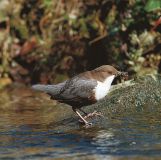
[(140, 94)]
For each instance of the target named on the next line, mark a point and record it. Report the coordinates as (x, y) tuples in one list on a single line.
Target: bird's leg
[(83, 111), (90, 115), (86, 122)]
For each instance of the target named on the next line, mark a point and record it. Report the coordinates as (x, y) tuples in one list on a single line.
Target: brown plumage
[(100, 73)]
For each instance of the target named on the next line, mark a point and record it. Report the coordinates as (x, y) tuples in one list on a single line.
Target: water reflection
[(34, 128)]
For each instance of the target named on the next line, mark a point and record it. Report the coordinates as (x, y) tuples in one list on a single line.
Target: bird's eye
[(110, 72)]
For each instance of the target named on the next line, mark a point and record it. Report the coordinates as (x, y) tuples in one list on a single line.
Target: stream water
[(28, 130)]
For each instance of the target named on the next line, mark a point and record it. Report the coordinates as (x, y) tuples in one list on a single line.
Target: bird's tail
[(50, 89), (41, 87)]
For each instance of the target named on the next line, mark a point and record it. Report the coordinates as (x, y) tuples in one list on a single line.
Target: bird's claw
[(87, 125), (90, 115), (94, 114)]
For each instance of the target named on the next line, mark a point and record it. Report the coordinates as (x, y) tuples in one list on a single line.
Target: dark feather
[(75, 92)]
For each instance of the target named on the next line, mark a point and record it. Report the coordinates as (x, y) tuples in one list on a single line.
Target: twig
[(98, 38)]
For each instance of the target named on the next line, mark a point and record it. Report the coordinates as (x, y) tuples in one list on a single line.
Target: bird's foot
[(93, 114), (87, 125)]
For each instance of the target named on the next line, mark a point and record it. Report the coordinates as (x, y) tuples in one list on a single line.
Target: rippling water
[(28, 131)]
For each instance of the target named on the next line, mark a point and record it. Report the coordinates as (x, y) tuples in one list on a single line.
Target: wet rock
[(139, 94), (142, 94)]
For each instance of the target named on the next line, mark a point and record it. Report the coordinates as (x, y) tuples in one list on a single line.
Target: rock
[(134, 95), (139, 95)]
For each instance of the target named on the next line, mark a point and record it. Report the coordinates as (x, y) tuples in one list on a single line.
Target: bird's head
[(110, 70)]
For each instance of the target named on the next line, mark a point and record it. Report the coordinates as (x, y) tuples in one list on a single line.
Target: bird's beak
[(122, 74)]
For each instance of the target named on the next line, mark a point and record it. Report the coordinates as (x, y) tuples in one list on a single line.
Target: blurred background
[(48, 41)]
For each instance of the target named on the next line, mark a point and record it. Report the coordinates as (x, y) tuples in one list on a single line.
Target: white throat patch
[(103, 88)]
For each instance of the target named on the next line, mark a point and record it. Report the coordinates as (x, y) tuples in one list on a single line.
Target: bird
[(83, 89)]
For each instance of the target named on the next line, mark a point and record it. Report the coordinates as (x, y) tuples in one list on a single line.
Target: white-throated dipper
[(83, 89)]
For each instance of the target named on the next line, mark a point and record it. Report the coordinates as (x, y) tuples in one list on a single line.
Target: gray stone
[(139, 95)]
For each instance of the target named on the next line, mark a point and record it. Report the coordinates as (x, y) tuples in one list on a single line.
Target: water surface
[(33, 127)]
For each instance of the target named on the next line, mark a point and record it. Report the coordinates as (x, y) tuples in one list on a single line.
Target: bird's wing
[(77, 90)]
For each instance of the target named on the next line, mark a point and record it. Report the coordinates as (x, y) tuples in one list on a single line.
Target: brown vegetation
[(48, 41)]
